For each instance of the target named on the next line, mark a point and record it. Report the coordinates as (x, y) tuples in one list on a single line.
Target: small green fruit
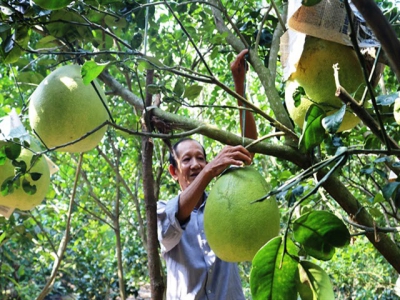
[(19, 198)]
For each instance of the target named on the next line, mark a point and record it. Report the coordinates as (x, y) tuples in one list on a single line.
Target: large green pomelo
[(314, 73), (62, 109), (19, 198), (235, 227)]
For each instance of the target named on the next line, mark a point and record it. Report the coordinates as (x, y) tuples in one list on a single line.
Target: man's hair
[(173, 152)]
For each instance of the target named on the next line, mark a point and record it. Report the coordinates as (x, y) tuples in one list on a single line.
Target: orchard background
[(165, 70)]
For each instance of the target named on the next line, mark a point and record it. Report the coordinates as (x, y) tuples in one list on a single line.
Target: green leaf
[(153, 89), (65, 24), (332, 123), (214, 53), (11, 51), (3, 156), (47, 42), (115, 22), (154, 61), (20, 166), (35, 176), (371, 142), (386, 100), (90, 70), (3, 236), (320, 232), (30, 77), (313, 282), (389, 189), (272, 278), (192, 92), (27, 187), (7, 186), (12, 150), (52, 4), (297, 95), (4, 27), (137, 40), (179, 88), (313, 131), (378, 198)]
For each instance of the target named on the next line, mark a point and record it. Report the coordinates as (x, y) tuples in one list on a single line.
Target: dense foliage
[(90, 237)]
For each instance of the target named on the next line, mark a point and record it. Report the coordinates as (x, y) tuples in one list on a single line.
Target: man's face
[(190, 159)]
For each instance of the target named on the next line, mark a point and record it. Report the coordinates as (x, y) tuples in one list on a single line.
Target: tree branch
[(64, 241), (382, 30), (263, 73), (360, 215), (157, 284)]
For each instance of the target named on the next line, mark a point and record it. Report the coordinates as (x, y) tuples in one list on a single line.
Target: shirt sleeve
[(168, 227)]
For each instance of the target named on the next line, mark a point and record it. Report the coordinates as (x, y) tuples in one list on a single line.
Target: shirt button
[(205, 252), (209, 291)]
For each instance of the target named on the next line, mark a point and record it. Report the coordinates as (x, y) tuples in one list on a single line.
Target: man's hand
[(239, 68), (230, 155)]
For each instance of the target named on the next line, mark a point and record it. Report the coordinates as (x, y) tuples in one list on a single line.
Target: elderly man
[(193, 270)]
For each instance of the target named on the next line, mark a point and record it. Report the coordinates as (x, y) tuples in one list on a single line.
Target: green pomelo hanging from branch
[(236, 227), (314, 73), (63, 109), (29, 189), (298, 109)]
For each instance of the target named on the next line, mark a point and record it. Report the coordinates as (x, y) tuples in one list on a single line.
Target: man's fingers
[(239, 154), (242, 54)]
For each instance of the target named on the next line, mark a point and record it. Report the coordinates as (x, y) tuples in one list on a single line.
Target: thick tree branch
[(119, 90), (135, 101), (225, 137), (382, 30)]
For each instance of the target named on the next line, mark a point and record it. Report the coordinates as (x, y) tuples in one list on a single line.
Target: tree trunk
[(156, 279)]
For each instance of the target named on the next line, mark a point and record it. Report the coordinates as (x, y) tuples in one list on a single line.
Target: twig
[(365, 72), (260, 28), (234, 27), (363, 114), (189, 37), (44, 232), (372, 229), (264, 138), (133, 196), (281, 21), (64, 241)]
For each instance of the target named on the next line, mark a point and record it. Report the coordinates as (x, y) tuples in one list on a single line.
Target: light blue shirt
[(193, 270)]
